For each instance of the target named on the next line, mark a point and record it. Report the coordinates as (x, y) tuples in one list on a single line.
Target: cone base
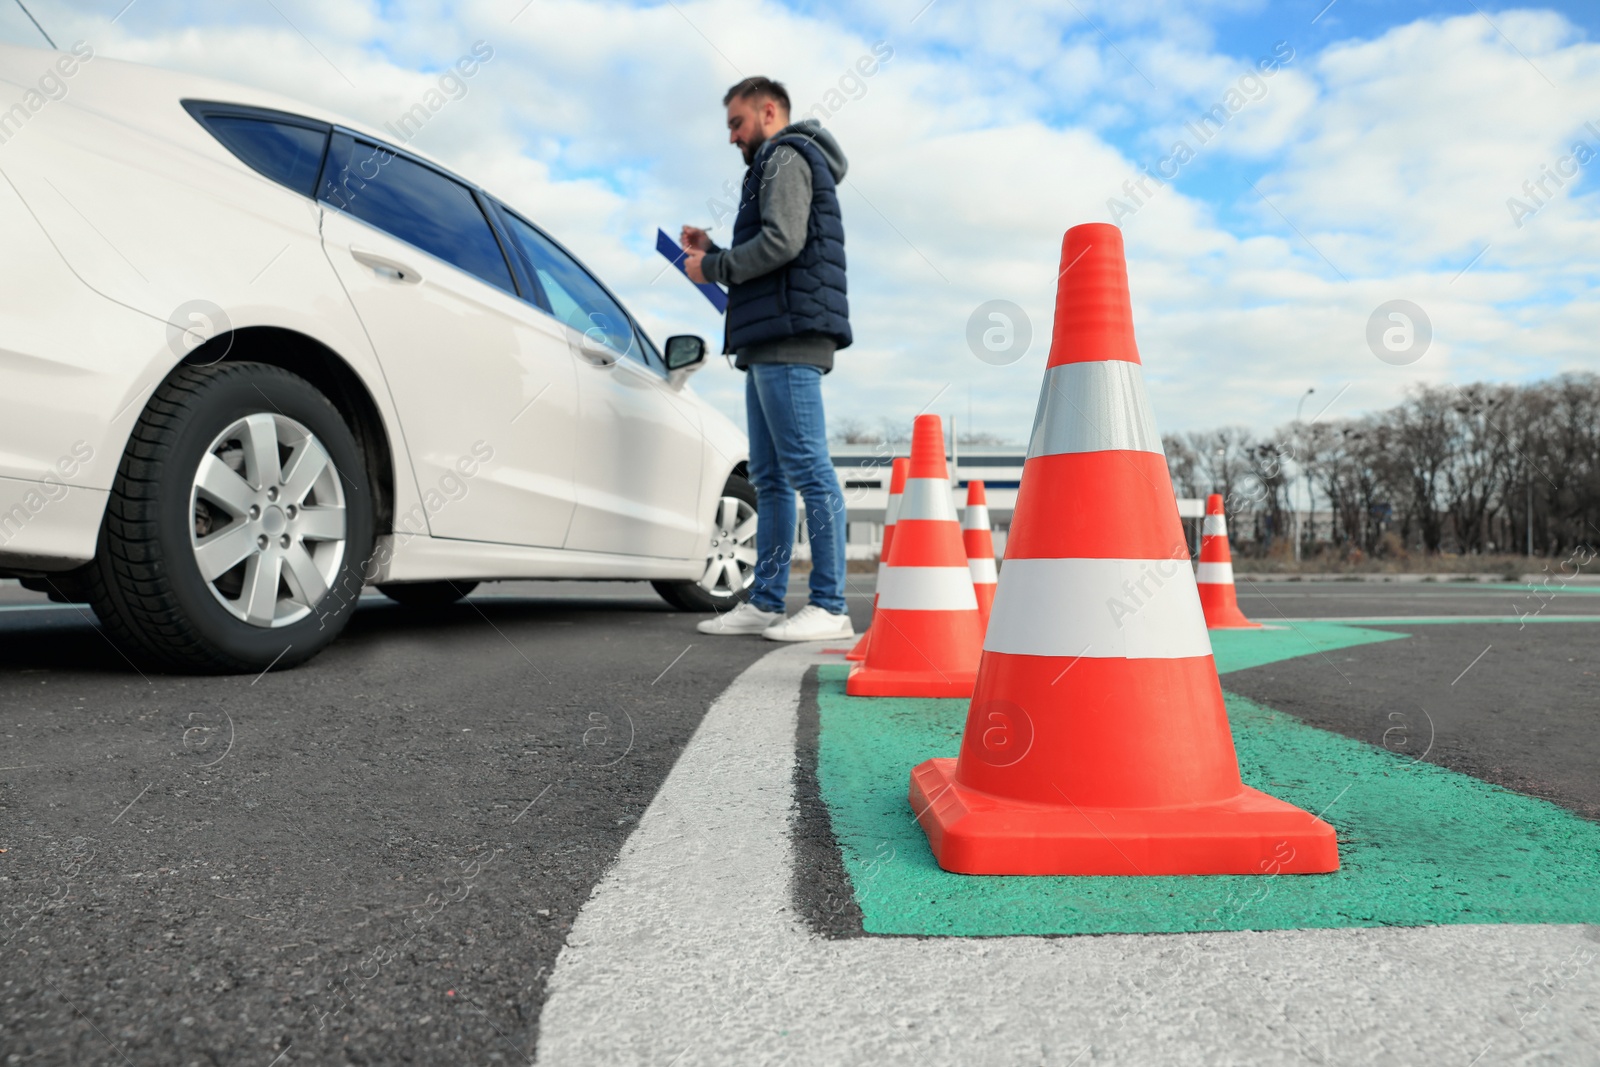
[(859, 653), (1221, 608), (980, 833), (866, 681)]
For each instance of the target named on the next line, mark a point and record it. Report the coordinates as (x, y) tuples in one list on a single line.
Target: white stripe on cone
[(927, 498), (1214, 573), (1098, 608), (976, 517), (1094, 407), (889, 514), (1214, 526), (983, 571), (927, 589)]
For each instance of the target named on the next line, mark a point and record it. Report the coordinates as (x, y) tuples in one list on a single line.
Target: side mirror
[(685, 351)]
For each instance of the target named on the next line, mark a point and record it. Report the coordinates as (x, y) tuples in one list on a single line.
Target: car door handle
[(392, 269), (591, 351)]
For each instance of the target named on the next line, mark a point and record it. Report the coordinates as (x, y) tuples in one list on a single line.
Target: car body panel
[(48, 524), (638, 473), (485, 384), (72, 363), (399, 558)]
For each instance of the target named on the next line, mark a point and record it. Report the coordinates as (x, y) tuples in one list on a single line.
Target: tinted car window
[(647, 348), (288, 154), (416, 204), (574, 296)]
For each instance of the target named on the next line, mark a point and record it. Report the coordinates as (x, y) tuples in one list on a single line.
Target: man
[(787, 315)]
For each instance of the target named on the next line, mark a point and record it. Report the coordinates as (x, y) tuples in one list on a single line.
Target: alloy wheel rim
[(731, 563), (268, 524)]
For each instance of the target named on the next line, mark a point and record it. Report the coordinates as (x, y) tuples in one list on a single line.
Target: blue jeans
[(789, 452)]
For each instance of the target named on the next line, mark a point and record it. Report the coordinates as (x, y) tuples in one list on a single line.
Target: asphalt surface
[(376, 858), (372, 859), (1270, 601), (1516, 707), (1514, 704)]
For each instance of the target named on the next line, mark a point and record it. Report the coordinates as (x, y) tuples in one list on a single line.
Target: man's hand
[(694, 239), (691, 264)]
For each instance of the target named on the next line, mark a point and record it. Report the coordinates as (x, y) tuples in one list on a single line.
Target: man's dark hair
[(758, 87)]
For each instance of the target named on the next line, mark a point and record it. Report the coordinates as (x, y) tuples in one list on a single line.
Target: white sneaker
[(810, 623), (744, 619)]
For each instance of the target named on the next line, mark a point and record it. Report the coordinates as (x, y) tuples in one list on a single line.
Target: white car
[(253, 357)]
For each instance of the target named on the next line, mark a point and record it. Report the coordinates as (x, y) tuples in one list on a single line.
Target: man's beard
[(750, 148)]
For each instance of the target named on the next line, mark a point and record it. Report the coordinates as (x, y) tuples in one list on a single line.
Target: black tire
[(695, 597), (145, 582), (426, 594)]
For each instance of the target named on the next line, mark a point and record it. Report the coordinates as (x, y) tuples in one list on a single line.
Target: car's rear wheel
[(239, 524), (731, 560), (426, 594)]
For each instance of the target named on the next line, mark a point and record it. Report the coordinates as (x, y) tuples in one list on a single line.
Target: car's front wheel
[(731, 559), (239, 524)]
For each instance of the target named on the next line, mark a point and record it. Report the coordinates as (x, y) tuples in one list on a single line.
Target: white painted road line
[(689, 952)]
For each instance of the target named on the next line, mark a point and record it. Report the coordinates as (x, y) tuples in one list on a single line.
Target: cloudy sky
[(1383, 158)]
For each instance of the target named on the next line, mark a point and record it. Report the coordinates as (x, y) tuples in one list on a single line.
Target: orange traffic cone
[(926, 637), (1097, 741), (897, 485), (1215, 573), (975, 534)]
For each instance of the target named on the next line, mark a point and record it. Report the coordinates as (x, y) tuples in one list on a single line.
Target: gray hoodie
[(785, 201)]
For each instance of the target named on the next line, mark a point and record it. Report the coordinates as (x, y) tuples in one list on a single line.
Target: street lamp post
[(1297, 409)]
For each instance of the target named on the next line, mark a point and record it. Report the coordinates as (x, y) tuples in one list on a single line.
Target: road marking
[(690, 947)]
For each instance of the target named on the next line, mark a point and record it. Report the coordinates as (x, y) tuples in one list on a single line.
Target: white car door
[(484, 382), (640, 445)]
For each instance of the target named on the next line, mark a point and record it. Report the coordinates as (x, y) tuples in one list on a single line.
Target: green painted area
[(1433, 620), (1237, 649), (1419, 845)]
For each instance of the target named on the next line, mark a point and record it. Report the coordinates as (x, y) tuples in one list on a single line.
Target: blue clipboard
[(669, 248)]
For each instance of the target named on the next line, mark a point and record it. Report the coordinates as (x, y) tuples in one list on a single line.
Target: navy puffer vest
[(806, 295)]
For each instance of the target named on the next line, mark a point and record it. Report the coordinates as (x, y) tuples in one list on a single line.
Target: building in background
[(864, 476)]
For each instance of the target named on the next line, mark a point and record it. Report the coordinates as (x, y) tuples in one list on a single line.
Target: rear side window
[(285, 148), (415, 203)]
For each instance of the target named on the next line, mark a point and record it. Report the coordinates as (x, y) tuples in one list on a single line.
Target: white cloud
[(1393, 157)]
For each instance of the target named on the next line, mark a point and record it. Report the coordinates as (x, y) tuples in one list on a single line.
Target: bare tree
[(851, 431), (1422, 453), (1479, 462), (1222, 459), (1471, 469), (1184, 467)]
